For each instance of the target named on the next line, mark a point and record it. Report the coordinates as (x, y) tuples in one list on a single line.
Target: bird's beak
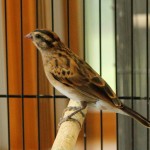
[(29, 36)]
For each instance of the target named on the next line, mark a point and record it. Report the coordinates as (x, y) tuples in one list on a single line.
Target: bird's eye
[(37, 36)]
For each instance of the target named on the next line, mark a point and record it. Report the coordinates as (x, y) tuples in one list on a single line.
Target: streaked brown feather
[(82, 78), (75, 78)]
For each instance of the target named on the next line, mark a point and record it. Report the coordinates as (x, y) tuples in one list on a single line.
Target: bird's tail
[(136, 116)]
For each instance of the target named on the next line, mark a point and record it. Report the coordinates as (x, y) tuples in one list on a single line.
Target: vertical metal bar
[(38, 90), (22, 73), (84, 29), (54, 91), (7, 73), (132, 73), (116, 64), (85, 138), (147, 51), (68, 23), (52, 4), (100, 37), (100, 44)]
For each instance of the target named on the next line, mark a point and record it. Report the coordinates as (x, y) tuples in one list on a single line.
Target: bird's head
[(43, 39)]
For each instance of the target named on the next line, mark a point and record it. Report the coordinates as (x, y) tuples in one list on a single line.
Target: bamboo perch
[(68, 132)]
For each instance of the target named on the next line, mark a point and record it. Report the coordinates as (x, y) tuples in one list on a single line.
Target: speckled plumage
[(74, 78)]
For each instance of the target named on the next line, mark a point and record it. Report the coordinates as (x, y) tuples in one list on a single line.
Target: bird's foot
[(69, 117), (73, 108)]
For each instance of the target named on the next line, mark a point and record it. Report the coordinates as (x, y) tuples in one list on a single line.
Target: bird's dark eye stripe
[(38, 36), (46, 33), (49, 43)]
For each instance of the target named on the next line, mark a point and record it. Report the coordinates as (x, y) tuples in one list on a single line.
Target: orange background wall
[(27, 130)]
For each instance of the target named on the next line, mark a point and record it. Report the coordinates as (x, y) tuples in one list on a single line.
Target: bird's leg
[(72, 108), (76, 110)]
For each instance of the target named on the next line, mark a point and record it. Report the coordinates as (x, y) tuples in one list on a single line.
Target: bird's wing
[(83, 78)]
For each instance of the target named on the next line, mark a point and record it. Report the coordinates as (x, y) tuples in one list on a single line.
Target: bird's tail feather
[(136, 116)]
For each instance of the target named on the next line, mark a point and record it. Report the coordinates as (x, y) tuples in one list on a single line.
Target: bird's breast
[(66, 90)]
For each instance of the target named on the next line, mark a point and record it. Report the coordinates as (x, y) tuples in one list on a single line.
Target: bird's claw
[(71, 108), (69, 117)]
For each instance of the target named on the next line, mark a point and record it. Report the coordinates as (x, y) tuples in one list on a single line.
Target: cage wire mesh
[(113, 36)]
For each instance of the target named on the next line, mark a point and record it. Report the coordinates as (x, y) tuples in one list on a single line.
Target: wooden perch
[(68, 132)]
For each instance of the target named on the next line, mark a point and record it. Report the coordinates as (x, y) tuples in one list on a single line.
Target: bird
[(75, 78)]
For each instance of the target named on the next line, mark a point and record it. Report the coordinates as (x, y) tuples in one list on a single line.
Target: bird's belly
[(67, 91), (102, 105), (78, 96)]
